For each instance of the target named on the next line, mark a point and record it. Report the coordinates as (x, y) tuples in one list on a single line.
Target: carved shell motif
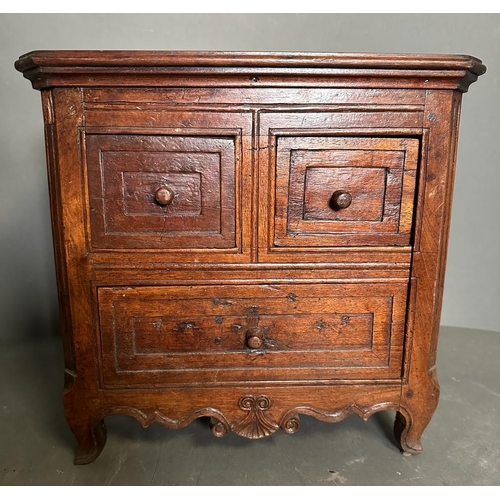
[(255, 425)]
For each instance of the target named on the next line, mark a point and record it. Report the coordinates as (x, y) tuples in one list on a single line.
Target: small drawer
[(161, 191), (235, 333), (344, 191)]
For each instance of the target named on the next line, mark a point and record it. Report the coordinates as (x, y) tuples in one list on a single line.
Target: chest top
[(94, 68)]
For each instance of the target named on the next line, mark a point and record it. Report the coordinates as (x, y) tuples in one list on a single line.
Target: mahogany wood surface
[(249, 236)]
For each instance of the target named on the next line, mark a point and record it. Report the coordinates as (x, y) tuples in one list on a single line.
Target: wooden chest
[(249, 236)]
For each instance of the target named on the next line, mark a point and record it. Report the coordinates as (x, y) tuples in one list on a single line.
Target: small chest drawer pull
[(254, 338), (341, 199), (164, 196), (254, 332)]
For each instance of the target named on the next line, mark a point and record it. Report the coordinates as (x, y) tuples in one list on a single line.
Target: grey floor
[(461, 444)]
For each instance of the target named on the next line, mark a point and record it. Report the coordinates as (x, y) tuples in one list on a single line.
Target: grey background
[(28, 302)]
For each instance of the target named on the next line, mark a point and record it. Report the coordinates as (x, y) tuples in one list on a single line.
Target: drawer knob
[(254, 340), (253, 336), (341, 199), (164, 196)]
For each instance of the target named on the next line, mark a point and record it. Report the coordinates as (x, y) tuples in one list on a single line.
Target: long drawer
[(236, 333)]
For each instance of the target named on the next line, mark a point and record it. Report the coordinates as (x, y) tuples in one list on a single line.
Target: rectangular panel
[(187, 334), (138, 187), (176, 333), (375, 176), (366, 184), (129, 174)]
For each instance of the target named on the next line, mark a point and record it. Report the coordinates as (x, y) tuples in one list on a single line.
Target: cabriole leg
[(91, 437)]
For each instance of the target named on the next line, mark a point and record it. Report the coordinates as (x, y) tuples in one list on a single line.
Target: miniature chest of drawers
[(249, 236)]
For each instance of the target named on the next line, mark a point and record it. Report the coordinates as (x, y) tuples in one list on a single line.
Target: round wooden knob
[(341, 199), (164, 196), (254, 342)]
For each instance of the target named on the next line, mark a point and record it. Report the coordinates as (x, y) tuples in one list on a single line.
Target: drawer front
[(235, 333), (161, 191), (344, 191), (160, 182)]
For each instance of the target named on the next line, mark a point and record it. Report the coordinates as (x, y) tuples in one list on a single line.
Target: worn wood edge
[(46, 69), (142, 58)]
